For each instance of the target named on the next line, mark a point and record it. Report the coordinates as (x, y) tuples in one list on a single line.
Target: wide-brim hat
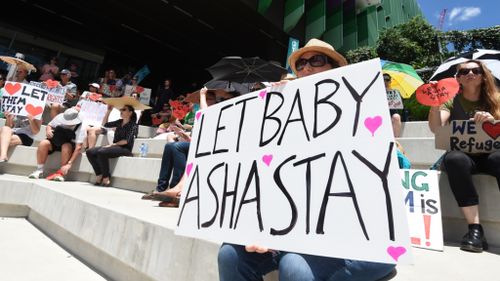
[(121, 102), (315, 45), (70, 117)]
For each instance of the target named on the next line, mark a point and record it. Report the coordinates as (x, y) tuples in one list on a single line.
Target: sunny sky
[(462, 14)]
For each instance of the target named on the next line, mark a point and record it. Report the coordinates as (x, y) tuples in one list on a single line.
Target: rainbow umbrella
[(404, 78)]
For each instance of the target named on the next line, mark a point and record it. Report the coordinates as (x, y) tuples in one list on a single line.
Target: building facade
[(346, 24)]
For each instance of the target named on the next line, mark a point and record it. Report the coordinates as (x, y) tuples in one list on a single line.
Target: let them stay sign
[(309, 167), (23, 99)]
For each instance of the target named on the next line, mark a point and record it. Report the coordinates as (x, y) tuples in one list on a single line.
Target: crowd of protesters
[(174, 115)]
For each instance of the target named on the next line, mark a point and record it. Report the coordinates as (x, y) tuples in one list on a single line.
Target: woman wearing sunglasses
[(123, 142), (478, 100), (239, 263)]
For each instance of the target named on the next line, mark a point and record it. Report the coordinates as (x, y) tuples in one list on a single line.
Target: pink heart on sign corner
[(198, 115), (267, 159), (372, 124), (262, 94), (396, 252), (189, 167)]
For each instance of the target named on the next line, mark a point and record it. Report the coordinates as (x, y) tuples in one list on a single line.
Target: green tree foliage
[(361, 54), (414, 42), (485, 38)]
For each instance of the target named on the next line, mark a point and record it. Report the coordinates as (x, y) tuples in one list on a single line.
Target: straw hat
[(315, 45), (121, 102)]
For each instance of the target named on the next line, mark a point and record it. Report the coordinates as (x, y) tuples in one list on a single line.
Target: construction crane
[(442, 17)]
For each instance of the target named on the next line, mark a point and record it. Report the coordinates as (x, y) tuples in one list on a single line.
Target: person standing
[(163, 96)]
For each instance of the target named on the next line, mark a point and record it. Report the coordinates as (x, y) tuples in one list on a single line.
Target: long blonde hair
[(489, 93)]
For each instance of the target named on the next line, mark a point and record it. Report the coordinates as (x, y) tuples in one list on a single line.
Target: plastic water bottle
[(143, 150)]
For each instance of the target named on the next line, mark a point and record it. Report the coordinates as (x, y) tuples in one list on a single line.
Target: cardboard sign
[(423, 207), (56, 91), (92, 112), (467, 136), (144, 93), (110, 90), (437, 93), (23, 99), (394, 99), (308, 167)]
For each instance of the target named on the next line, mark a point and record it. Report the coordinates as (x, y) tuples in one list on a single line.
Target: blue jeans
[(173, 162), (236, 264)]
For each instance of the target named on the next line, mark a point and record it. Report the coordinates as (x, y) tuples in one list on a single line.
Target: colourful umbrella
[(404, 78)]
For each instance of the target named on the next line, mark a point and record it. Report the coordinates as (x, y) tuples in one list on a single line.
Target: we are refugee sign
[(307, 167)]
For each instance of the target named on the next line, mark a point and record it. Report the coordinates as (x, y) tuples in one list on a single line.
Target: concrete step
[(112, 230), (133, 173), (415, 129), (421, 151), (34, 256), (125, 238)]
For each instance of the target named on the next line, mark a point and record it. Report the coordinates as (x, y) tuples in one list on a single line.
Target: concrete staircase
[(124, 238)]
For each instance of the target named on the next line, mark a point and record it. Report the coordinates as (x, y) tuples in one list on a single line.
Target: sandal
[(169, 204), (164, 198), (149, 196), (106, 183), (98, 180)]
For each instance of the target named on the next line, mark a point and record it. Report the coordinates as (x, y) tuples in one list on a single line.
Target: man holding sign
[(252, 262), (480, 101)]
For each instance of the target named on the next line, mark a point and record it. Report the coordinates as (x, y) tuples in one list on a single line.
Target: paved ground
[(26, 254), (451, 264)]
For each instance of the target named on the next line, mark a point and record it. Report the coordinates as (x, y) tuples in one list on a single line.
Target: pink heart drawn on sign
[(372, 124), (262, 94), (198, 115), (12, 88), (396, 252), (267, 159), (34, 110), (189, 167)]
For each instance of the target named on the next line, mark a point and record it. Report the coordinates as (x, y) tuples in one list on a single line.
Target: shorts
[(25, 139), (58, 148)]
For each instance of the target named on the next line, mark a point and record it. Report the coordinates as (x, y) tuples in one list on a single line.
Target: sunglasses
[(465, 71), (314, 61)]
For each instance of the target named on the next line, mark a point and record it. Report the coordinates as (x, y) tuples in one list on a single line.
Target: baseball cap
[(65, 71)]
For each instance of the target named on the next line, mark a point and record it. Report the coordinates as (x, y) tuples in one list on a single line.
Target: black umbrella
[(246, 70), (491, 58), (240, 88)]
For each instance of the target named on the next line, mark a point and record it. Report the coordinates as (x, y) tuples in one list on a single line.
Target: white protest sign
[(308, 167), (91, 112), (144, 93), (23, 99), (423, 208), (56, 91), (394, 99), (467, 136)]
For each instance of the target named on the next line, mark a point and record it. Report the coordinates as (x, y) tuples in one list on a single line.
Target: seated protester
[(17, 130), (173, 163), (65, 134), (21, 74), (252, 262), (395, 116), (92, 94), (70, 94), (123, 142), (479, 100)]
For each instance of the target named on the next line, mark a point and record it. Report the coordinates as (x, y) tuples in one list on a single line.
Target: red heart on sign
[(12, 88), (139, 89), (34, 110), (437, 93), (51, 83), (493, 130)]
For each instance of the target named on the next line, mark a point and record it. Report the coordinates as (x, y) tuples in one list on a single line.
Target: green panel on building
[(334, 30), (294, 10), (350, 26), (315, 19)]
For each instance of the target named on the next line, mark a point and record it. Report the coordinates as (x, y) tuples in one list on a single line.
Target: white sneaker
[(36, 174), (59, 178)]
